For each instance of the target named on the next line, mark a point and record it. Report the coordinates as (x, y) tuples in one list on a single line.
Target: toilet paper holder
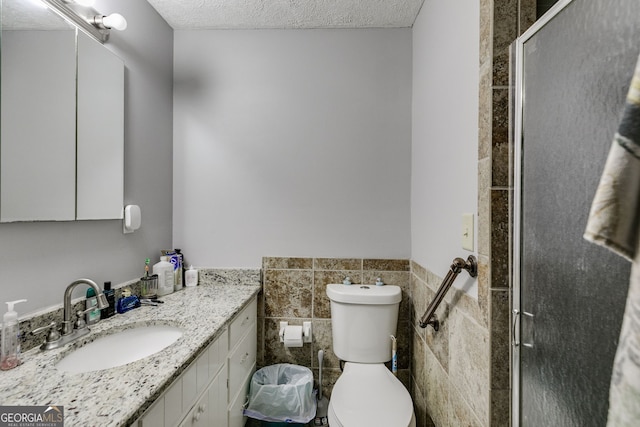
[(306, 331)]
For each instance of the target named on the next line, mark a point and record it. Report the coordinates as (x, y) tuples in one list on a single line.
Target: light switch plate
[(467, 232)]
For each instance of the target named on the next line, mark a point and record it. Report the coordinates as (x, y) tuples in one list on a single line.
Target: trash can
[(282, 395)]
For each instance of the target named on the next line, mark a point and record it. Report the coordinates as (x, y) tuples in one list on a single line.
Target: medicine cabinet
[(62, 120)]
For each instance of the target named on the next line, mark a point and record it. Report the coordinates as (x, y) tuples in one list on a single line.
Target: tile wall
[(450, 367), (294, 290), (501, 22), (461, 374)]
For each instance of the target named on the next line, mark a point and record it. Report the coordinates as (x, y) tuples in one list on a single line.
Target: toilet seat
[(370, 395)]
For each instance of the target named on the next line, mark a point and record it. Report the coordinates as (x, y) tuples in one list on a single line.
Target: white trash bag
[(282, 393)]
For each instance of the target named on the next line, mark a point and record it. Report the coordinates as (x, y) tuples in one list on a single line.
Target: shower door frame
[(517, 138)]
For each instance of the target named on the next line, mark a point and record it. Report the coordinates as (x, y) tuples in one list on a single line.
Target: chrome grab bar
[(471, 265)]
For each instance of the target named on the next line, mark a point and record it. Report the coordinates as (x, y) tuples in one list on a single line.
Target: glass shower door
[(575, 67)]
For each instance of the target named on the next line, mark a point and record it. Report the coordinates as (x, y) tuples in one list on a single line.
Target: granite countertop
[(118, 396)]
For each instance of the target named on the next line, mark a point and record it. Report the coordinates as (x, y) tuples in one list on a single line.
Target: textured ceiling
[(28, 15), (254, 14)]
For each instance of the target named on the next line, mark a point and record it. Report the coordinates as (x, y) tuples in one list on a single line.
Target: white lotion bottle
[(10, 356), (164, 270), (191, 277)]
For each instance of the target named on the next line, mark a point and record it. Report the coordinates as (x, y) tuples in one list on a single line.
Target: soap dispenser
[(191, 277), (10, 356)]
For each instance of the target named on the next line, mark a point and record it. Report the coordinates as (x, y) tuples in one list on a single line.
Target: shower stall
[(570, 75)]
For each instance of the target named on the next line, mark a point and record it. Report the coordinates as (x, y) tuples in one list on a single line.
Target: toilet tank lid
[(364, 294)]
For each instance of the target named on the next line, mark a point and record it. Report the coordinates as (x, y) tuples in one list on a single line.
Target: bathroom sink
[(120, 348)]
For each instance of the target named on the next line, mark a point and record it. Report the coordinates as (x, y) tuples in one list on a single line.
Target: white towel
[(614, 222)]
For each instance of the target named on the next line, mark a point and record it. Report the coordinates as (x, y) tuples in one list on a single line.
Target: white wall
[(38, 260), (444, 130), (291, 143)]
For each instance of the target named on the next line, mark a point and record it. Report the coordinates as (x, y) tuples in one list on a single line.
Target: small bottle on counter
[(176, 260), (183, 270), (91, 317), (191, 277), (148, 284), (164, 270), (111, 299)]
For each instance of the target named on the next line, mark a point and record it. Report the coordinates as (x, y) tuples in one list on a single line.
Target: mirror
[(38, 97), (62, 120), (100, 150)]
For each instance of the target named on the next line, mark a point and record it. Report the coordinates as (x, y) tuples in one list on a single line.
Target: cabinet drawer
[(241, 360), (242, 323)]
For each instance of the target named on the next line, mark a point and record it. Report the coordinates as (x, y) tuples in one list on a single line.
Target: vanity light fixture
[(82, 15)]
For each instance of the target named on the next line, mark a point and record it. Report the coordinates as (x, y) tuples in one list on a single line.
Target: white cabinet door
[(218, 401), (173, 404), (154, 417), (211, 408)]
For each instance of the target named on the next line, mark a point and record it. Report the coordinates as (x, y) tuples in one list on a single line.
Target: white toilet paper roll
[(293, 336)]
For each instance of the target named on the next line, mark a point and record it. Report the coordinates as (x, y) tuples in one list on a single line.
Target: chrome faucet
[(68, 332), (67, 322)]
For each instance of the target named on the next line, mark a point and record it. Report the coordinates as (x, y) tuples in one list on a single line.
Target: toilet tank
[(363, 318)]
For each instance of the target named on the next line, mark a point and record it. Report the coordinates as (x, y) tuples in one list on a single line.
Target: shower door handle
[(526, 333), (514, 336)]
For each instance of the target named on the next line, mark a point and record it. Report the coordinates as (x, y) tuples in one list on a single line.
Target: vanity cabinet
[(213, 389)]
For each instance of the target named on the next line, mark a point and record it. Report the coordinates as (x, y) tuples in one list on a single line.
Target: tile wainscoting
[(294, 290), (448, 372), (450, 368)]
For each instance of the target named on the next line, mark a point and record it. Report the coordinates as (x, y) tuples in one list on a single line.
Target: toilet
[(367, 394)]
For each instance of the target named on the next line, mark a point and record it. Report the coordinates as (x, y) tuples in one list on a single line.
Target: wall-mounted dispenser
[(132, 219)]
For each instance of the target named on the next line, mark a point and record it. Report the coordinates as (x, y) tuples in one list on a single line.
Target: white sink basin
[(120, 348)]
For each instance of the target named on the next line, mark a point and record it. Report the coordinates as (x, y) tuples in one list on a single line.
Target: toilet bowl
[(369, 395)]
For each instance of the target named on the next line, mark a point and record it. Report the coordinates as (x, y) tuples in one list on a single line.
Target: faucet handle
[(43, 328), (53, 334), (83, 312)]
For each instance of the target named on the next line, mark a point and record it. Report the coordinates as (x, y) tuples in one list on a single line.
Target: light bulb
[(115, 21)]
